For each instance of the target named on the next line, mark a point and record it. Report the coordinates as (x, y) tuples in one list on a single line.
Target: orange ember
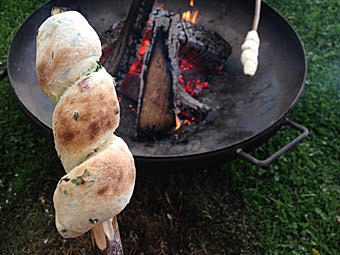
[(136, 66), (193, 87), (191, 3), (159, 5), (131, 108), (187, 122), (145, 41)]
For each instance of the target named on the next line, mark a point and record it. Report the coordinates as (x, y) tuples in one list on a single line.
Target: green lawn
[(290, 207)]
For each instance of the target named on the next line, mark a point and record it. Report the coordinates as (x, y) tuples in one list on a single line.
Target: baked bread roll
[(100, 168), (67, 48)]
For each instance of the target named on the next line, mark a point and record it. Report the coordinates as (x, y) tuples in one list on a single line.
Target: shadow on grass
[(189, 213), (192, 213)]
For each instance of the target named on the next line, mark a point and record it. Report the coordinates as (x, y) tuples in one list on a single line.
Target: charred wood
[(109, 37), (131, 85), (125, 49), (203, 48)]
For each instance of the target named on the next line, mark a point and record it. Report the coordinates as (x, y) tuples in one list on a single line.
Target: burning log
[(125, 49), (161, 95), (155, 110)]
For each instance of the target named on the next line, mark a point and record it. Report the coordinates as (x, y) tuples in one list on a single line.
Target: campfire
[(162, 62)]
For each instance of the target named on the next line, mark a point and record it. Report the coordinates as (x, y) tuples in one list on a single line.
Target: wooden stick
[(105, 238), (256, 15)]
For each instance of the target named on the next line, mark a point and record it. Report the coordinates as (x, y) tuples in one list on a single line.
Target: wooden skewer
[(256, 15), (105, 238)]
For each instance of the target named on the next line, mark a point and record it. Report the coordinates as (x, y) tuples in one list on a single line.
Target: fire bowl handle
[(277, 154), (3, 74)]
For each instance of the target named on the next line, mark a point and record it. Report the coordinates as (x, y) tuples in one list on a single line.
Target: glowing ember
[(159, 5), (131, 108), (136, 66), (191, 3), (145, 41), (187, 122), (193, 87)]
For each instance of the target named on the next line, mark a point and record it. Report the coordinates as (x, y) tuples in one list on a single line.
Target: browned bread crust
[(84, 117)]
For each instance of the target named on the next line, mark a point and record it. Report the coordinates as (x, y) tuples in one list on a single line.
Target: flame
[(191, 16), (178, 123), (186, 15)]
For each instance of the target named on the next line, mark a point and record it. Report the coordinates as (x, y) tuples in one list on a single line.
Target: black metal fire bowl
[(245, 111)]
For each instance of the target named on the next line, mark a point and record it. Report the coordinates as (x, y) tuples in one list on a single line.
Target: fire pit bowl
[(246, 111)]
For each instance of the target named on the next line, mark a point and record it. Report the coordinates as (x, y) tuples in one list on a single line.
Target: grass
[(291, 207)]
